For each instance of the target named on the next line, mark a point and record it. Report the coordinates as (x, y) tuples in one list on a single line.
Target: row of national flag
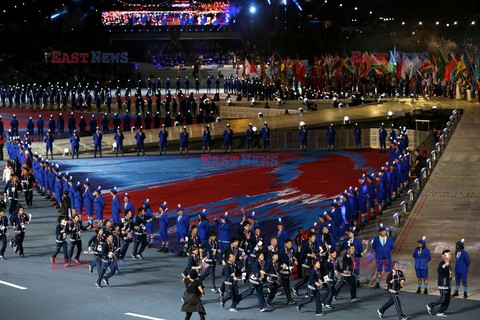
[(450, 67)]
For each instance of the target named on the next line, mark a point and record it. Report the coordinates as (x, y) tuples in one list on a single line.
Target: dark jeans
[(18, 240), (210, 271)]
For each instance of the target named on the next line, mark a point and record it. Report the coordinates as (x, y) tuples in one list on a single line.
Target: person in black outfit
[(193, 292), (348, 276), (419, 163), (3, 232), (444, 279), (61, 231), (395, 281)]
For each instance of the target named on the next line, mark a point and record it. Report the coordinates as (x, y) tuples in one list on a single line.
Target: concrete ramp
[(449, 207)]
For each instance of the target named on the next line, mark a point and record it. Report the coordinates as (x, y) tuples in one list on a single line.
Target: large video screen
[(169, 13)]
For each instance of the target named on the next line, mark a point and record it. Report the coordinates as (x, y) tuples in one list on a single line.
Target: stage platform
[(313, 119)]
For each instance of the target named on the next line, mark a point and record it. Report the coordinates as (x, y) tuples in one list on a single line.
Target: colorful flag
[(475, 73), (253, 67), (449, 68), (392, 62)]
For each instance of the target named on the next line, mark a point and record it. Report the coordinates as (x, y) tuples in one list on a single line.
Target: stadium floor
[(152, 287)]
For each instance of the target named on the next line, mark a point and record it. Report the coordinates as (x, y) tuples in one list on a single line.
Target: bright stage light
[(252, 9)]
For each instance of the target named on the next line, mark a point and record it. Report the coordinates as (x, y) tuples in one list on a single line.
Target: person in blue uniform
[(249, 138), (184, 140), (49, 139), (393, 133), (78, 199), (127, 120), (82, 125), (40, 126), (88, 201), (203, 228), (97, 142), (303, 133), (314, 285), (330, 138), (422, 257), (115, 206), (140, 141), (30, 126), (72, 125), (183, 224), (52, 125), (224, 231), (362, 200), (93, 124), (383, 246), (60, 125), (462, 262), (358, 253), (162, 217), (14, 125), (395, 281), (265, 137), (162, 140), (116, 124), (281, 234), (382, 136), (98, 204), (444, 271), (228, 139), (58, 190), (75, 143), (357, 135), (127, 205), (207, 137), (119, 137), (209, 84)]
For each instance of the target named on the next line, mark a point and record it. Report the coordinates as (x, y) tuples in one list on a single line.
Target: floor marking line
[(12, 285), (142, 316)]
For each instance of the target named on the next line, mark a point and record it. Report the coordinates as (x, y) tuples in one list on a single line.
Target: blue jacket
[(265, 133), (224, 231), (422, 259), (163, 221), (99, 205), (97, 139), (116, 210), (203, 229), (183, 225), (128, 206), (88, 201), (227, 137), (119, 138), (383, 252), (140, 137), (462, 263), (163, 136), (75, 141)]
